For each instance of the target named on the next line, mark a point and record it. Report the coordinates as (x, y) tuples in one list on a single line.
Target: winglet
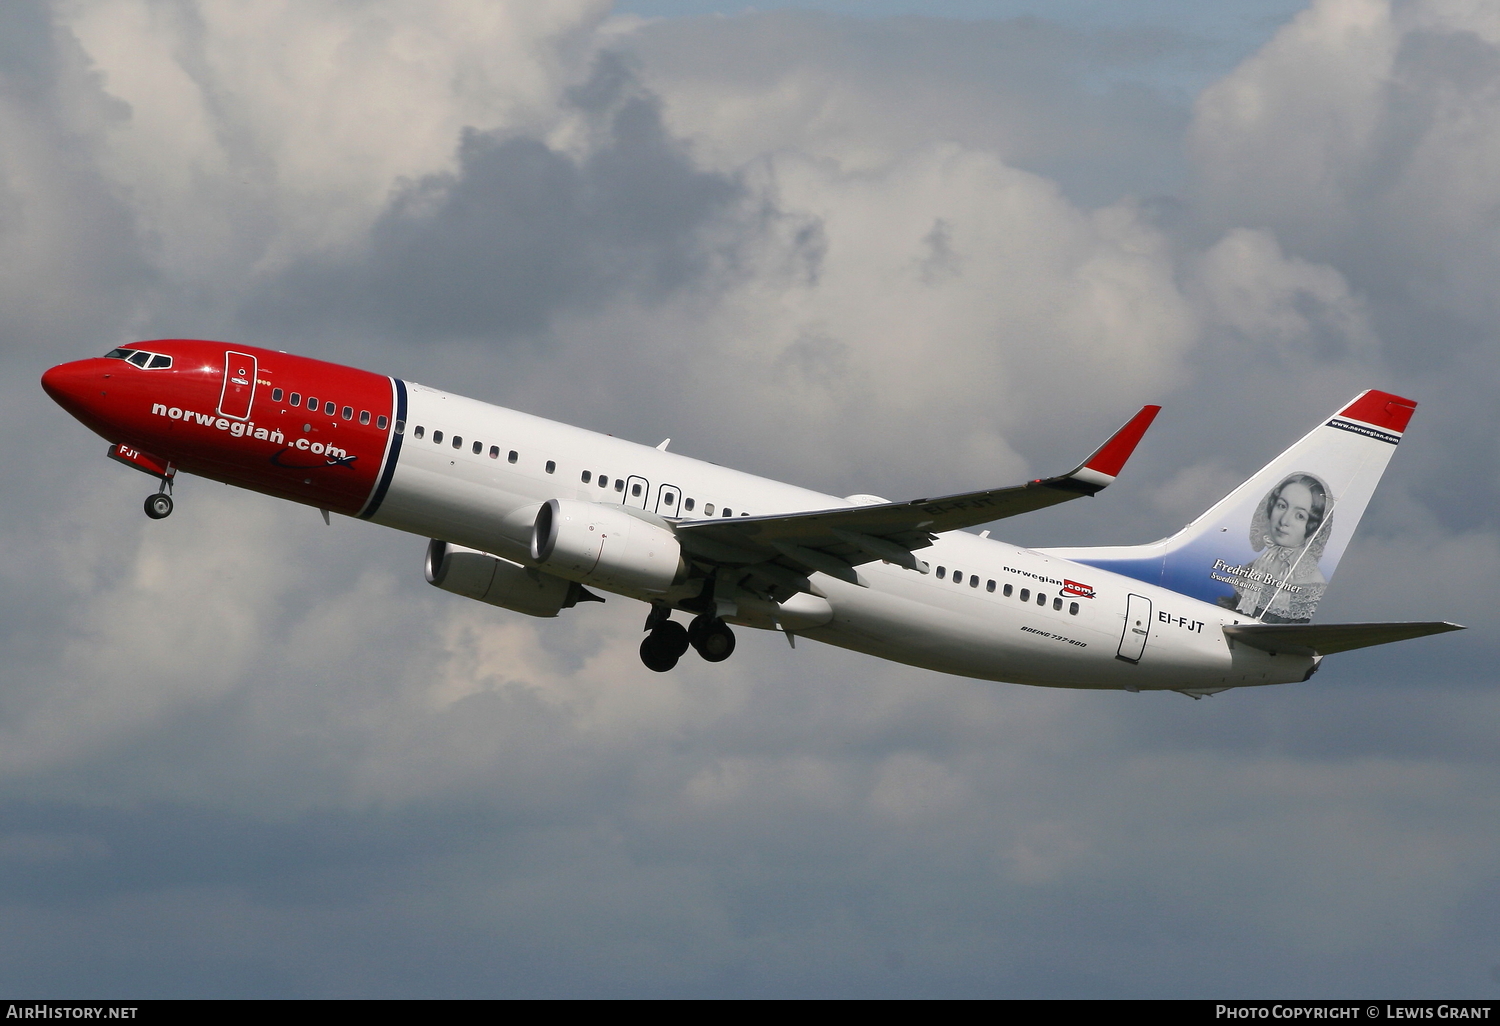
[(1109, 459)]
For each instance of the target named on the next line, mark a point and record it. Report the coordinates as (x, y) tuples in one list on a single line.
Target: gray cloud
[(522, 230)]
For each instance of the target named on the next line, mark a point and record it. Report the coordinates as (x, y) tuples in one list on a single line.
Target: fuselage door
[(1137, 624), (637, 492), (668, 500), (239, 385)]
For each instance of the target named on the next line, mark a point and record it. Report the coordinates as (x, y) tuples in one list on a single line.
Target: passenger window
[(958, 578), (312, 403), (635, 490), (619, 484), (512, 457), (1057, 603), (478, 448), (159, 362), (708, 509), (1025, 594), (1041, 599), (603, 481), (348, 413), (328, 408), (364, 416), (296, 398), (1007, 591), (942, 572), (588, 475), (458, 441), (551, 466), (418, 431), (989, 586), (1073, 608), (688, 505), (973, 580), (275, 395), (668, 498), (744, 514), (494, 452), (437, 438), (728, 512)]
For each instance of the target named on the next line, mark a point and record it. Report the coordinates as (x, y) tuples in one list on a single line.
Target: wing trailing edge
[(834, 541)]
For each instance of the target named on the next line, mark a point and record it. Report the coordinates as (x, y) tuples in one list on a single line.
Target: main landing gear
[(669, 640), (664, 646), (711, 637)]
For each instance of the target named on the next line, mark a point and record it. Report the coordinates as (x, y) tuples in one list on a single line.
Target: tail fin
[(1269, 548)]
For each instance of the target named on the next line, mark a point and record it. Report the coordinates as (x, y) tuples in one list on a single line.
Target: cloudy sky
[(245, 754)]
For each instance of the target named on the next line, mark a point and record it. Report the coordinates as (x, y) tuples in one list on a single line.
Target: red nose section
[(76, 386)]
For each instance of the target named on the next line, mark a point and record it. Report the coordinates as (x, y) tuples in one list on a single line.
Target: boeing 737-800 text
[(529, 514)]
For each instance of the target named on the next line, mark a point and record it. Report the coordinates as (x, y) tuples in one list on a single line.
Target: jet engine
[(606, 545), (479, 575)]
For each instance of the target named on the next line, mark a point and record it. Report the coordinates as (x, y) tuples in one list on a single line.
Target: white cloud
[(252, 133), (921, 316), (1367, 133)]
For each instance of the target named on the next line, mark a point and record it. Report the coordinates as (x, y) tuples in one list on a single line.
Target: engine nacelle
[(605, 545), (479, 575)]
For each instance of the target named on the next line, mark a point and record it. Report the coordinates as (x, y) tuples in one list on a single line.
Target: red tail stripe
[(1381, 409)]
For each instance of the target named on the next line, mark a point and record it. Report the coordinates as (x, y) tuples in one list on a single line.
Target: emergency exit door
[(1137, 627), (668, 500), (637, 492)]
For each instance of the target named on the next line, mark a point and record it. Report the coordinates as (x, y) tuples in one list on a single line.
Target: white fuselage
[(968, 616)]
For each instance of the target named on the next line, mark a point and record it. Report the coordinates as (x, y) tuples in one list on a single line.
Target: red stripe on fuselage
[(311, 456)]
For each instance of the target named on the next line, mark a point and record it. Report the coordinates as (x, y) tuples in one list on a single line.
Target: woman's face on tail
[(1289, 515)]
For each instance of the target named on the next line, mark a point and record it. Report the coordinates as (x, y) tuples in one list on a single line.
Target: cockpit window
[(141, 358)]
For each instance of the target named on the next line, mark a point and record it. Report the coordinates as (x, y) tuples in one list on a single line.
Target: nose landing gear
[(158, 506)]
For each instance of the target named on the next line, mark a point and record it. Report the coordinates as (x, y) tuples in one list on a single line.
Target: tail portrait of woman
[(1289, 529)]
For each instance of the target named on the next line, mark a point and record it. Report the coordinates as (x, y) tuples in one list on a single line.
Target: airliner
[(537, 517)]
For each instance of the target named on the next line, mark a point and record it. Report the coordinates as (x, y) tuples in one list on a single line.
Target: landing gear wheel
[(712, 638), (671, 636), (158, 506), (664, 646)]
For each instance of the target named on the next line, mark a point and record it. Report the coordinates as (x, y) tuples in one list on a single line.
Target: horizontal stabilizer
[(1320, 639)]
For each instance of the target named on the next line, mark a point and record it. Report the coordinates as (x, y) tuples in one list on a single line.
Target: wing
[(783, 550), (1309, 639)]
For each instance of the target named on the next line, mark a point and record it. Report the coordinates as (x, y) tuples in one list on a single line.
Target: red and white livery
[(530, 515)]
